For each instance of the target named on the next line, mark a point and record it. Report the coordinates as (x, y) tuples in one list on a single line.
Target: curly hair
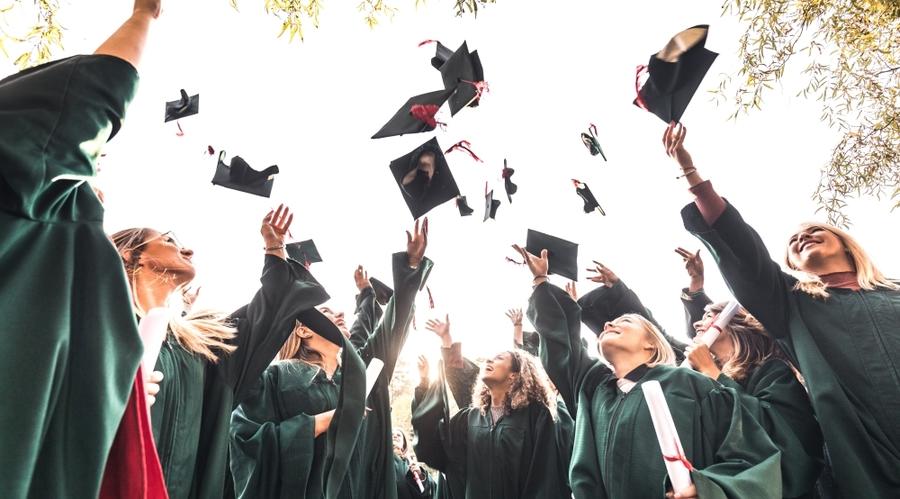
[(753, 346), (530, 386)]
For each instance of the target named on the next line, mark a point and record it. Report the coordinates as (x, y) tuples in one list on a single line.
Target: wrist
[(538, 280), (446, 342), (695, 286), (274, 246)]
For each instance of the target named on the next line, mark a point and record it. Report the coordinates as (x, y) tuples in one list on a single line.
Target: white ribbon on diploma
[(372, 371), (153, 328), (677, 464), (722, 320)]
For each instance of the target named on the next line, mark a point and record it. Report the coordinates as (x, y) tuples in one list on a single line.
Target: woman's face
[(498, 369), (162, 253), (810, 246), (624, 334), (337, 318), (399, 442), (723, 347)]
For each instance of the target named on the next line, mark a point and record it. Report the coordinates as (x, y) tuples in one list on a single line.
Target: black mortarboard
[(604, 304), (321, 325), (463, 206), (304, 252), (562, 254), (590, 202), (240, 177), (490, 206), (183, 107), (459, 72), (508, 184), (675, 73), (441, 54), (590, 140), (412, 119), (420, 192), (383, 292)]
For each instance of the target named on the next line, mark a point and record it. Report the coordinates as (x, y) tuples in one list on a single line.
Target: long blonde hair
[(531, 385), (296, 349), (663, 355), (752, 345), (204, 332), (867, 274)]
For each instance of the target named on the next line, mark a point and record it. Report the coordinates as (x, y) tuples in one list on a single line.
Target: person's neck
[(498, 394), (832, 265), (329, 352), (154, 293), (624, 362)]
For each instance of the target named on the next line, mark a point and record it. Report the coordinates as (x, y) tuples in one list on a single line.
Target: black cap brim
[(421, 194), (562, 254), (463, 205), (239, 176), (460, 68), (321, 325), (178, 109), (403, 122), (490, 206)]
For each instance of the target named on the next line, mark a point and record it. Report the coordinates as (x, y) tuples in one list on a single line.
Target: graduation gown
[(520, 457), (274, 452), (193, 408), (368, 313), (407, 488), (847, 347), (71, 348), (616, 452)]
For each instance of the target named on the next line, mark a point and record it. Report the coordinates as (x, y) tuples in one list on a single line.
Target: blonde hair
[(867, 274), (752, 345), (295, 349), (205, 333), (663, 355), (530, 386)]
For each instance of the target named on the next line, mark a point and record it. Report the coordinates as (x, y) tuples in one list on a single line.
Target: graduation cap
[(321, 325), (590, 141), (424, 178), (416, 116), (441, 53), (490, 205), (304, 252), (508, 184), (383, 292), (562, 254), (590, 202), (674, 74), (183, 107), (240, 177), (462, 71), (463, 206)]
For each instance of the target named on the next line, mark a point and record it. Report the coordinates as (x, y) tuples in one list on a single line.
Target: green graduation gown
[(70, 346), (193, 408), (407, 488), (523, 455), (274, 452), (847, 347), (616, 452)]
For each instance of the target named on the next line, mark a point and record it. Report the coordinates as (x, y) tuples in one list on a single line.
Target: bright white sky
[(311, 107)]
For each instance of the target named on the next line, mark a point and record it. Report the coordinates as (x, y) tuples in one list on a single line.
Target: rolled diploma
[(153, 328), (372, 372), (666, 435), (722, 320)]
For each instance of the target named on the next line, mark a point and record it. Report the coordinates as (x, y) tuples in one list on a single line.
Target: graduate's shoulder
[(683, 381)]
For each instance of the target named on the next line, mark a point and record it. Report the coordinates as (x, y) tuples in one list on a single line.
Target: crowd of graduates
[(796, 397)]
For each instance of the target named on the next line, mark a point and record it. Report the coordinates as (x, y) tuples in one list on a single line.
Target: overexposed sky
[(311, 107)]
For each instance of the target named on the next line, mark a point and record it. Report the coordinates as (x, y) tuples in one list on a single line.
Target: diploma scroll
[(153, 328), (372, 372), (677, 465)]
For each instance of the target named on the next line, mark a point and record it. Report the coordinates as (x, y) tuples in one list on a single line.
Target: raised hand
[(515, 315), (538, 265), (702, 360), (689, 492), (275, 227), (441, 329), (694, 266), (362, 278), (416, 243), (424, 369), (150, 7), (573, 292), (604, 275), (673, 141)]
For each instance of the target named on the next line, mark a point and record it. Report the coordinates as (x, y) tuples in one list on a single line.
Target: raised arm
[(127, 43), (693, 298), (368, 312), (753, 277), (461, 373), (441, 441)]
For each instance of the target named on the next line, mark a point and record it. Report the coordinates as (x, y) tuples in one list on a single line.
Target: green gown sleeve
[(441, 439), (585, 478), (462, 374), (779, 402), (557, 319), (267, 321), (750, 273), (694, 308), (368, 313), (745, 461)]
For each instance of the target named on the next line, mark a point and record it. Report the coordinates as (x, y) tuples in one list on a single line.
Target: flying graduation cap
[(590, 140), (590, 202), (240, 177), (508, 184), (463, 205), (562, 255), (424, 178), (383, 292), (674, 74), (416, 116), (304, 252), (183, 107), (490, 204), (461, 71)]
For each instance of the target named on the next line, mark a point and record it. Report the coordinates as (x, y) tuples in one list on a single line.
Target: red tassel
[(679, 458), (510, 260), (430, 298), (180, 132), (593, 130), (425, 113), (480, 88), (210, 150), (577, 183), (426, 42), (506, 172), (641, 69), (464, 145)]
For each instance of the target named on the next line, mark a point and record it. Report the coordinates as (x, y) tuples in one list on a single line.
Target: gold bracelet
[(274, 248), (685, 173)]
